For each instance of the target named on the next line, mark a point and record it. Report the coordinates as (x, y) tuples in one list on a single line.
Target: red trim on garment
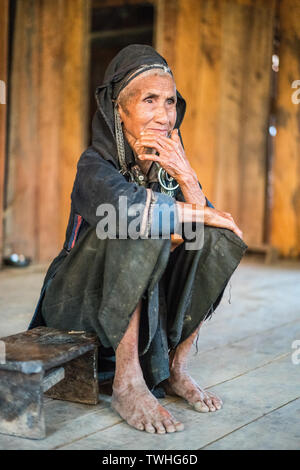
[(79, 220)]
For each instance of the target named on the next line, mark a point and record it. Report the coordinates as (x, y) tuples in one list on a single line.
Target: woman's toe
[(217, 402), (210, 404), (160, 429), (170, 427), (179, 426), (200, 406), (138, 426), (149, 428)]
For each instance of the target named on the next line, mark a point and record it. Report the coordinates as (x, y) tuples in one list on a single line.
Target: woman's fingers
[(172, 168), (147, 156), (239, 233), (163, 141), (172, 144), (141, 145), (235, 228), (217, 218), (175, 136), (171, 154)]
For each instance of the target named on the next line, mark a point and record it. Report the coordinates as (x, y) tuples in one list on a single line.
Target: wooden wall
[(286, 167), (47, 124), (4, 18), (221, 52)]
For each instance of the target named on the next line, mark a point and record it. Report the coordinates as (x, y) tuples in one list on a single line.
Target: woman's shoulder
[(91, 156)]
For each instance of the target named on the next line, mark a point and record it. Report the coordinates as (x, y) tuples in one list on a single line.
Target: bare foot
[(181, 383), (136, 404)]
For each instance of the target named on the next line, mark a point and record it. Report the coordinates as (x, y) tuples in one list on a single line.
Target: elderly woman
[(145, 296)]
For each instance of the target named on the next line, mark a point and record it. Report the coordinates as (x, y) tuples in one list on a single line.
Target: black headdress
[(126, 65)]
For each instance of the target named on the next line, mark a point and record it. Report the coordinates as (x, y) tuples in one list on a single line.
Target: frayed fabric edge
[(209, 315)]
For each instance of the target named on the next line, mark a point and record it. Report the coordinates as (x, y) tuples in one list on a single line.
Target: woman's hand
[(173, 159), (171, 154), (216, 218), (208, 216)]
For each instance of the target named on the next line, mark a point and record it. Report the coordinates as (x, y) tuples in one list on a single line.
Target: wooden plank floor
[(244, 354)]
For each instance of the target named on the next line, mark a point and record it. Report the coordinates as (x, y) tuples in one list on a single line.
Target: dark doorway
[(112, 28)]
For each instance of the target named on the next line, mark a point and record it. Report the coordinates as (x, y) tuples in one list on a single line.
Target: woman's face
[(148, 103)]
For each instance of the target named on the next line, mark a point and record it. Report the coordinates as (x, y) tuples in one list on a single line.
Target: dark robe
[(95, 284)]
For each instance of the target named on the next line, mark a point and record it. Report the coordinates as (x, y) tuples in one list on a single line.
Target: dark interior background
[(113, 28)]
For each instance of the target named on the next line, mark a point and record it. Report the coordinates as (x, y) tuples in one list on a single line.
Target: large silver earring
[(120, 141)]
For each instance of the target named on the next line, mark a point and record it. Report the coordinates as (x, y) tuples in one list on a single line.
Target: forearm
[(206, 215), (190, 212), (191, 190)]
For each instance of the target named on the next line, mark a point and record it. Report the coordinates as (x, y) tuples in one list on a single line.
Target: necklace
[(168, 183)]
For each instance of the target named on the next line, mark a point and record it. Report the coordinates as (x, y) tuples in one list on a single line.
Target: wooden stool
[(44, 360)]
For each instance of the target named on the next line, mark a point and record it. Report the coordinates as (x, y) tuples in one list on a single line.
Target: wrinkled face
[(148, 102)]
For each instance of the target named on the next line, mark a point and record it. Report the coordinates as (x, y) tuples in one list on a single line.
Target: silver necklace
[(168, 183)]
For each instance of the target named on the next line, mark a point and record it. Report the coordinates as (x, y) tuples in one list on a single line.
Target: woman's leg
[(131, 397), (194, 285), (182, 384)]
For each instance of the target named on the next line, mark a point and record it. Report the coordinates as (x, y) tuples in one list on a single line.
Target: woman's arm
[(191, 190), (173, 159), (171, 156), (207, 215)]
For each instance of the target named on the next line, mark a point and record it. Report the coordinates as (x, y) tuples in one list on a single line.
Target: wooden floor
[(244, 355)]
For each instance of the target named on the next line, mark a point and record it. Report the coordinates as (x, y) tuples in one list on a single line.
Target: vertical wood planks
[(165, 29), (222, 67), (23, 154), (74, 103), (4, 17), (220, 52), (187, 65), (207, 96), (51, 63), (188, 35), (255, 119), (48, 121), (247, 32), (64, 86), (285, 220)]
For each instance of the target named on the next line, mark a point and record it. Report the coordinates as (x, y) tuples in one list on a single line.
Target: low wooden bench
[(61, 364)]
